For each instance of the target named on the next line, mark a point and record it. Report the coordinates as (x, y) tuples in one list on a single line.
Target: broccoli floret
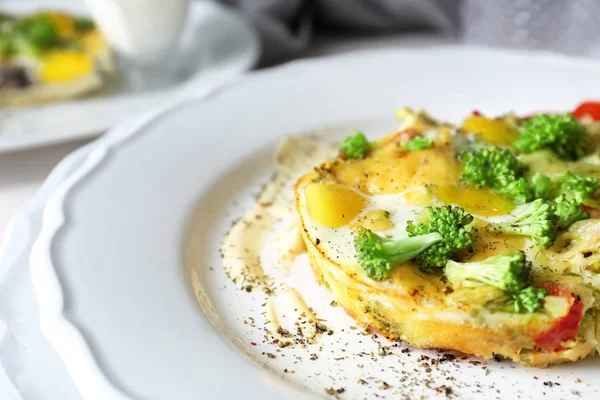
[(378, 255), (36, 32), (568, 210), (451, 223), (579, 187), (418, 143), (561, 133), (537, 221), (507, 272), (519, 190), (498, 169), (490, 167), (541, 186), (529, 298), (84, 25), (6, 45), (356, 146)]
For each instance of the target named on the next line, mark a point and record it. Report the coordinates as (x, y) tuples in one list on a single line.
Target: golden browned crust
[(397, 314)]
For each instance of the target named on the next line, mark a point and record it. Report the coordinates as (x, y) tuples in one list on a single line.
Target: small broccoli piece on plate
[(451, 223), (418, 143), (519, 190), (507, 272), (497, 169), (541, 185), (356, 146), (490, 167), (569, 210), (537, 221), (377, 255), (34, 34), (530, 299), (580, 187), (561, 133)]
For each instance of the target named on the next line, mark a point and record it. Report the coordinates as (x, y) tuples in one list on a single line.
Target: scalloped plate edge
[(20, 235)]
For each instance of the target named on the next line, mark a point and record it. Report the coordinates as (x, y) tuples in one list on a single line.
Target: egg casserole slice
[(50, 56), (482, 238)]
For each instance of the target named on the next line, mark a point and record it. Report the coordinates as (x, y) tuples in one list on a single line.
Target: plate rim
[(19, 234), (66, 339), (83, 368)]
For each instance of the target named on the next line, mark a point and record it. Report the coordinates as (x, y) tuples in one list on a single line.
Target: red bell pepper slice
[(594, 212), (566, 327), (588, 108)]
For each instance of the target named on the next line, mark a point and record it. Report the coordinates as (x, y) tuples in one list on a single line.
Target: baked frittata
[(482, 238), (50, 56)]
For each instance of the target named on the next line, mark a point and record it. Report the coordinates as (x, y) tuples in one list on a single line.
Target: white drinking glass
[(144, 34)]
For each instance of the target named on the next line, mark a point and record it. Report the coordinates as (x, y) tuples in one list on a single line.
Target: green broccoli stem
[(377, 255), (507, 272), (399, 251), (537, 221)]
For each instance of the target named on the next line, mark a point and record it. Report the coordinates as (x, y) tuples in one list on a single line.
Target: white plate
[(107, 267), (225, 45)]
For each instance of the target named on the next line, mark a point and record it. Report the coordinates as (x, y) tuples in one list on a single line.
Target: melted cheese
[(479, 201), (493, 131), (390, 170)]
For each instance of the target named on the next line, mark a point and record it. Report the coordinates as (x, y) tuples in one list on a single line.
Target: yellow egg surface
[(61, 66)]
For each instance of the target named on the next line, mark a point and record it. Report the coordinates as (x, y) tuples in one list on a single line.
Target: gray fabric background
[(570, 26)]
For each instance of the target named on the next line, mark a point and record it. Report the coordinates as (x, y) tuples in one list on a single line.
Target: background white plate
[(29, 367), (227, 45), (107, 268)]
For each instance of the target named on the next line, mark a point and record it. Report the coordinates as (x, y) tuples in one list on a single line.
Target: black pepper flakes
[(447, 357)]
